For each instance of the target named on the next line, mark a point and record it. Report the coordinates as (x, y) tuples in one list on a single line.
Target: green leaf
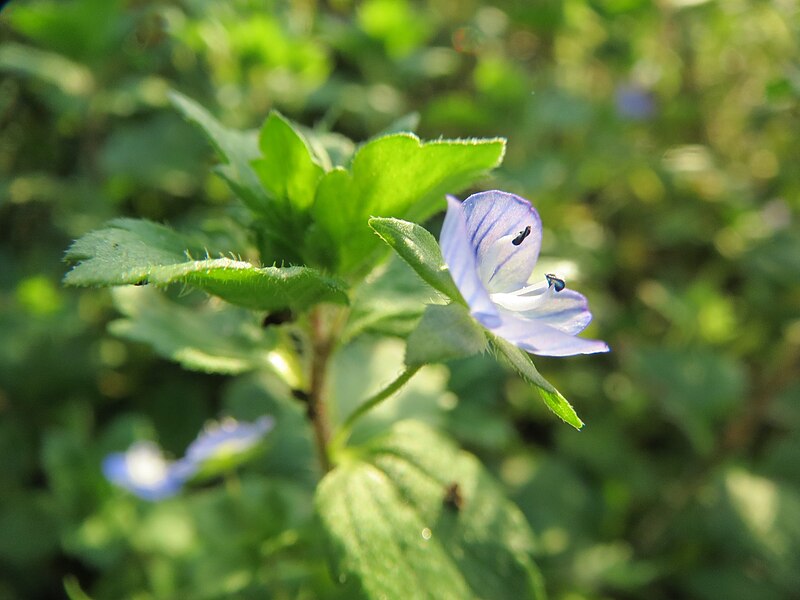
[(287, 169), (236, 149), (414, 517), (213, 338), (392, 176), (444, 333), (420, 250), (73, 589), (522, 363), (390, 302), (129, 251), (69, 77)]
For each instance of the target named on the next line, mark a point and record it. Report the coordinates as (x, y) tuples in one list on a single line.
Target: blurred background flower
[(143, 471)]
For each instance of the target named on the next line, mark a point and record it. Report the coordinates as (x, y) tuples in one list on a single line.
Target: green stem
[(344, 431), (321, 347)]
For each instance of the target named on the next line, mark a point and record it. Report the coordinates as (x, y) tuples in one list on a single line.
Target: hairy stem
[(369, 404)]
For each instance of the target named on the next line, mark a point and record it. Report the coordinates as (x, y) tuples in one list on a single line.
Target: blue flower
[(490, 243), (228, 439), (634, 102), (144, 471)]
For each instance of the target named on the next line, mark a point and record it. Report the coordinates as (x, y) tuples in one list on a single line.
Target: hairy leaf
[(393, 176), (420, 250), (287, 170), (129, 251), (522, 363), (414, 517)]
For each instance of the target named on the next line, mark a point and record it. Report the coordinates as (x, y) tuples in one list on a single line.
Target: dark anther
[(557, 283), (453, 497), (521, 236)]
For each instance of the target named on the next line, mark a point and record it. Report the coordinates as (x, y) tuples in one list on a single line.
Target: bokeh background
[(659, 141)]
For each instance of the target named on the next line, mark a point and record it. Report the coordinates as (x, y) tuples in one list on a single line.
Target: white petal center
[(146, 466)]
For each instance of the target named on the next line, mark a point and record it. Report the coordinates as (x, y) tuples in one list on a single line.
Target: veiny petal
[(537, 337), (494, 220), (460, 257), (567, 310)]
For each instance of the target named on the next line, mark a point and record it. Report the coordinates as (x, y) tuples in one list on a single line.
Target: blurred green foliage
[(657, 140)]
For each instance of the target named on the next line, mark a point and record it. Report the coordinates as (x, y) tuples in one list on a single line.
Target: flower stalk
[(369, 404)]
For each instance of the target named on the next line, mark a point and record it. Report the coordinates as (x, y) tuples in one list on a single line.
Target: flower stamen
[(555, 282), (521, 236)]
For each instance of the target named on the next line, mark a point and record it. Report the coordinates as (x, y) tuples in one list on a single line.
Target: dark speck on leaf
[(141, 282), (521, 236), (278, 317), (453, 497), (300, 395), (557, 283)]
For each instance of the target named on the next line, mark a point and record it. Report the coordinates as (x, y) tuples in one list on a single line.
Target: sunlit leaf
[(420, 250), (287, 169), (413, 517), (392, 176), (137, 252), (522, 363)]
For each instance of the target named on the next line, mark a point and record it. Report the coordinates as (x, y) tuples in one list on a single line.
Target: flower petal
[(230, 437), (460, 257), (538, 337), (143, 471), (567, 310), (506, 250)]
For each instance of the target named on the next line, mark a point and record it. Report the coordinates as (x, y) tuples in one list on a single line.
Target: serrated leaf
[(445, 332), (415, 517), (287, 170), (213, 339), (522, 363), (420, 250), (129, 251), (392, 176)]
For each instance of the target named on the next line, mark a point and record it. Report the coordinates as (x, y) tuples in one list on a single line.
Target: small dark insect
[(453, 497), (555, 282), (278, 317), (301, 395), (521, 236)]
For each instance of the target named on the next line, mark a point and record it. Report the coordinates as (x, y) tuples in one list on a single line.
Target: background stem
[(321, 346)]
